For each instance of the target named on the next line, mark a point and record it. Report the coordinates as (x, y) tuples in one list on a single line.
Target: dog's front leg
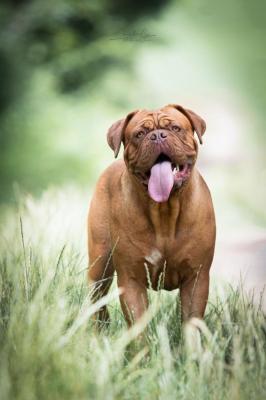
[(133, 299), (194, 294)]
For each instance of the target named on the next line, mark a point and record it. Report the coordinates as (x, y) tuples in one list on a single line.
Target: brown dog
[(151, 218)]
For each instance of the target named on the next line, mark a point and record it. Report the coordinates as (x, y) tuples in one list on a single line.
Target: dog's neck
[(166, 218)]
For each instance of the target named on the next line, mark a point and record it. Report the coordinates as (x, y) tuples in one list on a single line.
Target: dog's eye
[(139, 134), (176, 128)]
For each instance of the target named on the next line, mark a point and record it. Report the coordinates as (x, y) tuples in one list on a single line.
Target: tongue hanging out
[(161, 181)]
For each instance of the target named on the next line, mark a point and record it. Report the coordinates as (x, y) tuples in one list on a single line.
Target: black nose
[(158, 136)]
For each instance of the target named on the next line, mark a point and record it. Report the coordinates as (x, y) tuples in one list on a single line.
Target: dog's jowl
[(151, 218)]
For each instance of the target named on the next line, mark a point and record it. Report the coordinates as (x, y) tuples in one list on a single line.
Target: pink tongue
[(161, 181)]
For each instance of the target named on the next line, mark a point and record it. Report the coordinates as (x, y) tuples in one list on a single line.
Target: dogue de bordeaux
[(151, 218)]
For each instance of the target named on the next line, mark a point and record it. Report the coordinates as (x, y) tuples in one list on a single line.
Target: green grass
[(48, 345)]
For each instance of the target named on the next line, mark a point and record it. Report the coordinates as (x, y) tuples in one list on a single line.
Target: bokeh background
[(70, 68)]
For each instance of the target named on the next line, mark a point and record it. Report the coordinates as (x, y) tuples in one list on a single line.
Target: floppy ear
[(198, 124), (115, 134)]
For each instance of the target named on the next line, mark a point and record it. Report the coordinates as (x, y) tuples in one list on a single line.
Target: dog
[(151, 218)]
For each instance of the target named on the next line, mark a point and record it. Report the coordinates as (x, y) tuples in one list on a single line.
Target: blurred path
[(241, 256)]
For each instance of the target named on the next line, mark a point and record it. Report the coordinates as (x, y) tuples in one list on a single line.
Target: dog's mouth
[(164, 175)]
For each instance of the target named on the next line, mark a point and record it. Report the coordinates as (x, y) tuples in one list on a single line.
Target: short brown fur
[(130, 233)]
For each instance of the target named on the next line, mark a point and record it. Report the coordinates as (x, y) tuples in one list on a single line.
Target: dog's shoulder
[(110, 177), (113, 170)]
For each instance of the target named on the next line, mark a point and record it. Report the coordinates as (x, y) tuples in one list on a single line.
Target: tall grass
[(49, 348)]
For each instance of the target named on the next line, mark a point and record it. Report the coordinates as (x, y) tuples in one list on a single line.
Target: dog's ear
[(198, 124), (115, 134)]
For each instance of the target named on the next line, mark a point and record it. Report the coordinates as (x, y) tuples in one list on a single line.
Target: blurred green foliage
[(67, 36)]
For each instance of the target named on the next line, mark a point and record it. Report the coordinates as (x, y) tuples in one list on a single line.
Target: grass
[(48, 345)]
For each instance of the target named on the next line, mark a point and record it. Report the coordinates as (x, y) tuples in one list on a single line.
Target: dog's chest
[(163, 269)]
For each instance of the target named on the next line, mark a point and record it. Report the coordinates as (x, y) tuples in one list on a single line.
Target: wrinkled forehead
[(156, 118)]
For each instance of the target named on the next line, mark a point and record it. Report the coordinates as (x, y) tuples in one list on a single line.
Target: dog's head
[(159, 147)]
